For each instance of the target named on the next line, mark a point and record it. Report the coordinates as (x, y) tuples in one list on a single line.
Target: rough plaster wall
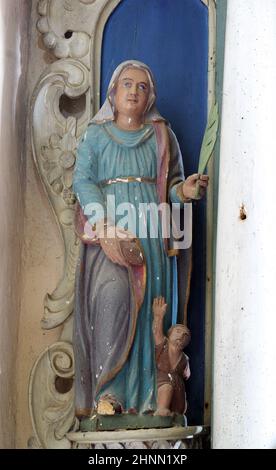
[(42, 258), (14, 16)]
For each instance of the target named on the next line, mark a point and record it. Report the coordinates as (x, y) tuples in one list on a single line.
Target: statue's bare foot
[(163, 412), (108, 405)]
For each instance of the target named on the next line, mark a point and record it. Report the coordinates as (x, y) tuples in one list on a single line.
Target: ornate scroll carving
[(51, 397), (54, 141)]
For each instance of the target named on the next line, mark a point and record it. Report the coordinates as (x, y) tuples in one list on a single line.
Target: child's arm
[(159, 308)]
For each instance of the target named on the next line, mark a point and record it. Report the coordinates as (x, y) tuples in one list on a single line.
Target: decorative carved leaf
[(54, 174)]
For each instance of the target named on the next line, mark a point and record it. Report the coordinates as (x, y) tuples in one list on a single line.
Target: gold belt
[(129, 179)]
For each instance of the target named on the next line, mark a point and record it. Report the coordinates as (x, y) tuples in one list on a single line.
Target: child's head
[(179, 335)]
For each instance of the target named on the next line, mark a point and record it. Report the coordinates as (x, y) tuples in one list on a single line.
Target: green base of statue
[(128, 421)]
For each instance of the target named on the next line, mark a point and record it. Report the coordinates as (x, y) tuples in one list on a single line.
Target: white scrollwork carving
[(54, 142), (51, 397)]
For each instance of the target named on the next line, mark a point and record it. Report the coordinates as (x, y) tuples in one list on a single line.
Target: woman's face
[(132, 93)]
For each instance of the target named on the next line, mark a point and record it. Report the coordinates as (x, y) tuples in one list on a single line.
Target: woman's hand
[(194, 187)]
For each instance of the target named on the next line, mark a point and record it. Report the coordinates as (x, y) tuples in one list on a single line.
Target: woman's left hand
[(194, 187)]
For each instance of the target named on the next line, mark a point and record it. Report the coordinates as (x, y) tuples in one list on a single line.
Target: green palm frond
[(209, 139)]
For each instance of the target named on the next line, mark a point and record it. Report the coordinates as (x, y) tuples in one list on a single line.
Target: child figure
[(172, 364)]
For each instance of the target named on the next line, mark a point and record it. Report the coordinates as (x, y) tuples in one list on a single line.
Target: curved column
[(244, 412)]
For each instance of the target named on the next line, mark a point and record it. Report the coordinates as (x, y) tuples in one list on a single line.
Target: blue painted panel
[(171, 36)]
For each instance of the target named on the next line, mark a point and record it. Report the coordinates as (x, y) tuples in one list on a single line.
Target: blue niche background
[(171, 36)]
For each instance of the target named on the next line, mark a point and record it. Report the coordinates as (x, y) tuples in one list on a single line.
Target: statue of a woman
[(128, 155)]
